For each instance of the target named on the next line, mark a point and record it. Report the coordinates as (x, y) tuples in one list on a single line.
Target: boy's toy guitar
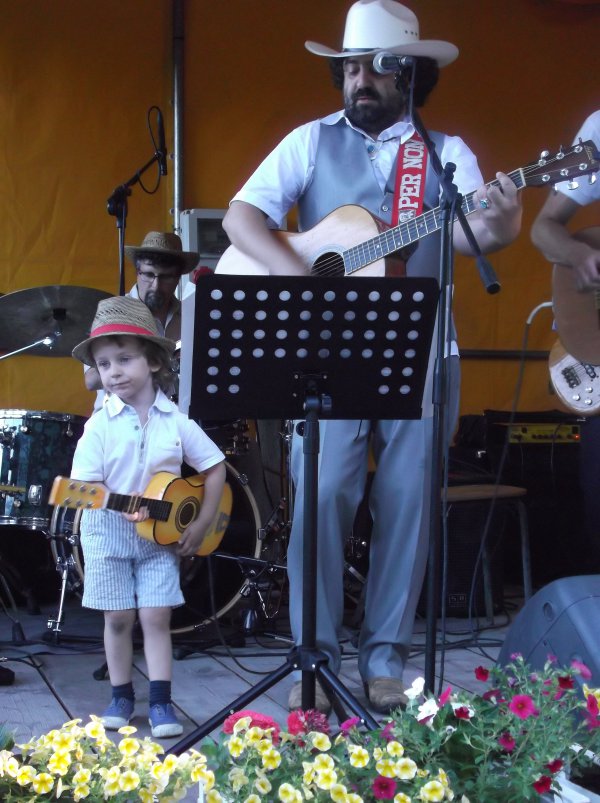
[(173, 503)]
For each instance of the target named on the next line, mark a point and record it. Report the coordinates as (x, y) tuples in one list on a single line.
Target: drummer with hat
[(368, 154), (160, 262)]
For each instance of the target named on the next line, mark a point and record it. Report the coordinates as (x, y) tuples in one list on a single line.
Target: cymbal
[(62, 312)]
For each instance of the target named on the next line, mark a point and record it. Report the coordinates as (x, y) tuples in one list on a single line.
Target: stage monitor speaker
[(560, 620)]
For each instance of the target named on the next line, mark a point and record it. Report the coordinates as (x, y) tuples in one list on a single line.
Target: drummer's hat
[(121, 315), (164, 244)]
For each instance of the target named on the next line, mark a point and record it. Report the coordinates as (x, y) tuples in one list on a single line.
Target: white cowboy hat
[(376, 25)]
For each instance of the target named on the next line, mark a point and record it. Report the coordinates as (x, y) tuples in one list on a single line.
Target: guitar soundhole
[(329, 264), (188, 511)]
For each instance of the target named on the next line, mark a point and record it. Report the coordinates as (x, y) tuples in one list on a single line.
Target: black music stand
[(285, 347)]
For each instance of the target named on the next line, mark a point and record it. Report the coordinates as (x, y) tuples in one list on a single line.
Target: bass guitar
[(350, 241), (577, 314), (577, 384), (173, 503)]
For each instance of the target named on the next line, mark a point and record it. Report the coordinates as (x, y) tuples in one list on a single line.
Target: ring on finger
[(484, 203)]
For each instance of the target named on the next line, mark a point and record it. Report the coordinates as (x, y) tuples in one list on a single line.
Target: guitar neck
[(158, 509), (404, 234)]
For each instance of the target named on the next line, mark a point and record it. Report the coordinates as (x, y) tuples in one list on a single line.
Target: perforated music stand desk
[(309, 348)]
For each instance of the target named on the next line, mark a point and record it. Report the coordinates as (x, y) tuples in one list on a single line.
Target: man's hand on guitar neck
[(142, 514)]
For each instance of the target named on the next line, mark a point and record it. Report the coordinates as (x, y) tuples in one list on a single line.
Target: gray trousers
[(399, 503)]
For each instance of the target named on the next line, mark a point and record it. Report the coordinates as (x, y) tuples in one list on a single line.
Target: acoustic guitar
[(350, 241), (577, 314), (173, 503), (577, 384)]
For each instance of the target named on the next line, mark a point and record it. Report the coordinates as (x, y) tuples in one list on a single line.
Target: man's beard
[(377, 116), (155, 300)]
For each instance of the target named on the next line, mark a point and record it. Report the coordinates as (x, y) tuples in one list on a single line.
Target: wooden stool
[(504, 495)]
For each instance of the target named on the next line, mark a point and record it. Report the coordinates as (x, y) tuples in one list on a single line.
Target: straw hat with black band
[(163, 244)]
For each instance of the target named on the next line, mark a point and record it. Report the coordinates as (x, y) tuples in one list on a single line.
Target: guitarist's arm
[(497, 225), (550, 235), (246, 227), (192, 536)]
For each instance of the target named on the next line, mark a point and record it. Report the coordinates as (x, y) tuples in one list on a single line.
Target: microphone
[(385, 63), (162, 146)]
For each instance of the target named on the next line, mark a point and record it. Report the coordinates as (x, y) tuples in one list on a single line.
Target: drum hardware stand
[(64, 566), (333, 320)]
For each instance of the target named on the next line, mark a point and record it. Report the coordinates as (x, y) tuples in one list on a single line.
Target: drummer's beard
[(156, 301)]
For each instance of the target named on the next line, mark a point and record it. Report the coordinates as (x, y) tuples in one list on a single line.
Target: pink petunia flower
[(507, 742), (555, 766), (583, 670), (348, 724), (565, 682), (445, 696), (481, 673), (256, 721), (462, 712), (384, 788), (522, 706)]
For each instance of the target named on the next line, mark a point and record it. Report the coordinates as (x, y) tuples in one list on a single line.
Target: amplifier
[(543, 433)]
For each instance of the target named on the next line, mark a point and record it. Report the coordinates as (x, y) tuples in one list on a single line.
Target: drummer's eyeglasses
[(150, 277)]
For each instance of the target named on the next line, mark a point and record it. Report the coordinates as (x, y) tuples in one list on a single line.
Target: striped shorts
[(122, 570)]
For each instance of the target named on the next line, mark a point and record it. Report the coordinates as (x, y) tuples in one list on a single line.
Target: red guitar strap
[(411, 172)]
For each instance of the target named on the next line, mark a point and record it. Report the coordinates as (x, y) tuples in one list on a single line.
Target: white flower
[(427, 709), (416, 689)]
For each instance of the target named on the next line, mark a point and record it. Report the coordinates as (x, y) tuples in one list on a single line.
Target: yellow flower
[(325, 778), (42, 783), (320, 741), (323, 762), (443, 778), (129, 747), (242, 724), (386, 767), (377, 753), (235, 745), (111, 788), (271, 759), (25, 775), (395, 749), (309, 774), (237, 778), (59, 763), (402, 798), (170, 763), (359, 757), (255, 734), (129, 780), (63, 741), (146, 796), (352, 797), (263, 785), (252, 799), (406, 769), (11, 767), (433, 791), (338, 793), (213, 797), (80, 792), (82, 776), (206, 777), (94, 729), (288, 794)]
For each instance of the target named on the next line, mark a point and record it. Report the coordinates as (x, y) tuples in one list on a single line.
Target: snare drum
[(35, 446), (228, 579)]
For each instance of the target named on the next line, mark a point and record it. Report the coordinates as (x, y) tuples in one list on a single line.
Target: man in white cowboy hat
[(159, 261), (350, 157)]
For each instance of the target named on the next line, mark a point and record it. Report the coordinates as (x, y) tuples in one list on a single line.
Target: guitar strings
[(428, 222)]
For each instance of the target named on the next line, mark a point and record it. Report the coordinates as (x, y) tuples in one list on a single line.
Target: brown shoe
[(321, 700), (386, 694)]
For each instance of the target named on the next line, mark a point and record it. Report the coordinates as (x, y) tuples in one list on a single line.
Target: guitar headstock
[(580, 159), (66, 492)]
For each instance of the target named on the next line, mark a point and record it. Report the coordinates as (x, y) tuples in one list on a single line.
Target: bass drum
[(220, 575)]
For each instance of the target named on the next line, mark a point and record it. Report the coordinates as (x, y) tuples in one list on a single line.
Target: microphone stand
[(117, 202), (117, 207), (451, 209)]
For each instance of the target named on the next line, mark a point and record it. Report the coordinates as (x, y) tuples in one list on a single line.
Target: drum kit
[(37, 445)]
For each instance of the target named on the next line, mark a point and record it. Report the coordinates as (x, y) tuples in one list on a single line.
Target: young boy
[(137, 433)]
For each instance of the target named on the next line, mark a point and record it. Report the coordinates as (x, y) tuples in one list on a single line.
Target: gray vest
[(344, 174)]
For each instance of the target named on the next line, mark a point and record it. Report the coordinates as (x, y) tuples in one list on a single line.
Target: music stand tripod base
[(289, 347)]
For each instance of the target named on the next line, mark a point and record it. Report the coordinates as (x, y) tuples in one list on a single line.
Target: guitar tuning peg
[(572, 185), (561, 153), (543, 156), (592, 178)]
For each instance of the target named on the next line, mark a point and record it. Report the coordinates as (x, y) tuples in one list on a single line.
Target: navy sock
[(160, 692), (125, 690)]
